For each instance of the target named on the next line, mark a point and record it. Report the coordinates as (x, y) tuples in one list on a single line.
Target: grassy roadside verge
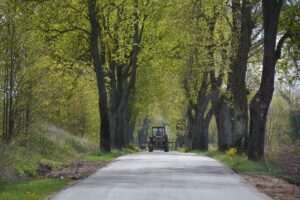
[(99, 156), (39, 189), (266, 177), (241, 164), (31, 190)]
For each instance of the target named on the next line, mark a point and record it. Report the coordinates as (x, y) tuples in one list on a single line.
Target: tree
[(111, 34), (98, 62), (260, 103), (15, 61), (232, 109), (123, 48), (242, 27), (204, 71)]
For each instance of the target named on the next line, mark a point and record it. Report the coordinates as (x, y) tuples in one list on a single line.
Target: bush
[(53, 147), (132, 147), (231, 152)]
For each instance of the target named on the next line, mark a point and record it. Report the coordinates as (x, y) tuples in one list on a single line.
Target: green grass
[(55, 148), (31, 190), (241, 164), (40, 189), (100, 156)]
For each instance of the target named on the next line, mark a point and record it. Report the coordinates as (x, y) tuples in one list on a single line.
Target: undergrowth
[(45, 146), (241, 164), (31, 190), (22, 159), (100, 156)]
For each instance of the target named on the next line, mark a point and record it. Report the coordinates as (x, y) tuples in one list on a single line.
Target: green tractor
[(158, 140)]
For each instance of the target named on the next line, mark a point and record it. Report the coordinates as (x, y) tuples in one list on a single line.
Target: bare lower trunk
[(118, 139), (200, 138), (198, 132), (197, 137), (179, 142), (104, 129), (240, 125), (126, 127), (131, 128), (190, 129), (224, 122), (121, 139), (131, 120), (112, 124), (258, 118)]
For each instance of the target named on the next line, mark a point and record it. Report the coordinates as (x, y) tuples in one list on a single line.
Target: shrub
[(42, 146), (231, 152)]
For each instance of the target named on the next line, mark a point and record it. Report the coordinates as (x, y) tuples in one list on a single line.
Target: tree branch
[(280, 44)]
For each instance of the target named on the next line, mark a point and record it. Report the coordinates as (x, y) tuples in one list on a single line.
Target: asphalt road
[(163, 176)]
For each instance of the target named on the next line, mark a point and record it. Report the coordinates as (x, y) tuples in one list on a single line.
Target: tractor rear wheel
[(150, 149)]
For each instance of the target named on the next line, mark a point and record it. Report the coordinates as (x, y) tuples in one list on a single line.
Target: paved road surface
[(163, 176)]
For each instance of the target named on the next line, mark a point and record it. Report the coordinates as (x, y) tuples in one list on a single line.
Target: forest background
[(77, 75)]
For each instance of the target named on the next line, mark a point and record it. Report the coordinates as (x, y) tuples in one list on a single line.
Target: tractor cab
[(158, 139)]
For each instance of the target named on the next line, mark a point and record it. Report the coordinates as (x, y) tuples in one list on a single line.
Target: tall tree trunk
[(199, 114), (5, 105), (261, 101), (117, 110), (198, 122), (242, 30), (98, 62), (113, 101), (11, 120), (9, 85)]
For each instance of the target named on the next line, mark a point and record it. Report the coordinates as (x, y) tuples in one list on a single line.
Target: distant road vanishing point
[(163, 176)]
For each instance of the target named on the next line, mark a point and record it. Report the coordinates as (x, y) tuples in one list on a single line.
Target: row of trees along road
[(188, 60), (73, 36), (224, 37)]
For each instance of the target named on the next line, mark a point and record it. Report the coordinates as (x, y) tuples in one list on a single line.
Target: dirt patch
[(75, 171), (276, 188)]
